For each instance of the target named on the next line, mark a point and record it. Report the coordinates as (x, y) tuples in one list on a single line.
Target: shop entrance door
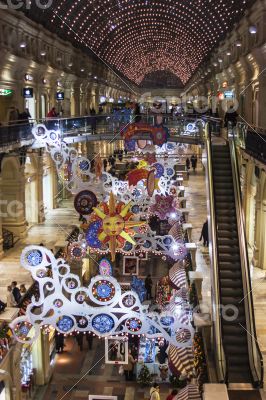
[(31, 105)]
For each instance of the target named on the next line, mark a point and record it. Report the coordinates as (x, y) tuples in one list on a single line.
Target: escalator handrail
[(220, 357), (256, 367)]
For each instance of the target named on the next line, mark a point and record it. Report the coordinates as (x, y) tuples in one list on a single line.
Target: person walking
[(129, 367), (155, 392), (93, 121), (205, 234), (52, 113), (13, 116), (230, 116), (194, 161), (188, 164), (89, 338), (59, 342), (148, 287), (22, 289), (79, 339), (15, 291), (105, 163), (172, 395), (10, 300), (25, 116)]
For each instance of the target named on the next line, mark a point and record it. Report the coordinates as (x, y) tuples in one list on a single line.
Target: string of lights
[(140, 37)]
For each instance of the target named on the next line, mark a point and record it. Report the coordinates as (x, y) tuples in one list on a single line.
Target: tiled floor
[(57, 226)]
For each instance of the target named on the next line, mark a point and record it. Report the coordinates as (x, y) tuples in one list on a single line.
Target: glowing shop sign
[(6, 92)]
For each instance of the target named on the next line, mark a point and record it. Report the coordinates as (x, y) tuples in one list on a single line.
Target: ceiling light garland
[(140, 37)]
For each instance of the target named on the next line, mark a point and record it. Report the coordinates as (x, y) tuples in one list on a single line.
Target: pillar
[(262, 243), (39, 177), (13, 196)]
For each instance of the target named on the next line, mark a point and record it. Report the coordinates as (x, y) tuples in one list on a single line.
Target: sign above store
[(228, 94), (60, 96), (28, 93), (28, 78), (6, 92)]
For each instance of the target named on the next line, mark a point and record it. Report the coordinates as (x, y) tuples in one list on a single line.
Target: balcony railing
[(253, 140), (104, 126)]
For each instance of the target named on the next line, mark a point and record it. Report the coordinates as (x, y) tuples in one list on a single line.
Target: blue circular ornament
[(104, 290), (128, 246), (168, 241), (135, 209), (34, 258), (169, 171), (65, 323), (102, 323), (147, 244)]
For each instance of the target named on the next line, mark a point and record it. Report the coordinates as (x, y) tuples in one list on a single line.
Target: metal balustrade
[(253, 140), (100, 127)]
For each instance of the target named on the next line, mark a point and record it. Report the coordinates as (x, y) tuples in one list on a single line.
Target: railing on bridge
[(253, 140), (18, 132)]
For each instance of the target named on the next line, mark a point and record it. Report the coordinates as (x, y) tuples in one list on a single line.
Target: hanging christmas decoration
[(101, 307), (163, 207), (105, 267), (84, 202), (113, 225)]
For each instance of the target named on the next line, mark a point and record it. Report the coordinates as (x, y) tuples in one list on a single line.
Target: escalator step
[(233, 268), (225, 198), (231, 283), (234, 330), (226, 226), (239, 359), (233, 258), (223, 185), (223, 179), (227, 242), (230, 274), (225, 233), (222, 191), (226, 218), (222, 172), (231, 292), (236, 301), (235, 341)]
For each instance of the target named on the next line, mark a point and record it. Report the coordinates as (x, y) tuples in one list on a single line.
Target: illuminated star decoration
[(116, 224), (163, 207)]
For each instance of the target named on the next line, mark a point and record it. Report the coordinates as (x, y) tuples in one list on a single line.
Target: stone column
[(262, 245), (39, 188), (76, 99), (13, 199)]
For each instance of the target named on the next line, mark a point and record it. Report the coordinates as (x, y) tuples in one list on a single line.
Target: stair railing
[(255, 356), (216, 309)]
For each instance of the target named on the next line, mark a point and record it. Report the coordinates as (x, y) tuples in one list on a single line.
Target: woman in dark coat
[(205, 234)]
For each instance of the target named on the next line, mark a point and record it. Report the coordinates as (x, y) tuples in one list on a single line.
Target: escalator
[(230, 275), (238, 358)]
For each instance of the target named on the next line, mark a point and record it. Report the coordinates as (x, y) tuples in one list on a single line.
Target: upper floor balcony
[(253, 140), (17, 134)]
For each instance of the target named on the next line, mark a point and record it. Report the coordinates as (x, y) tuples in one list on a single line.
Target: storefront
[(6, 101)]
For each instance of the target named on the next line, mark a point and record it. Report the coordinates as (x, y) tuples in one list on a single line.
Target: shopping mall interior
[(132, 200)]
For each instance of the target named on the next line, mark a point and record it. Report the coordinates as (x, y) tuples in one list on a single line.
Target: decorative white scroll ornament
[(100, 308)]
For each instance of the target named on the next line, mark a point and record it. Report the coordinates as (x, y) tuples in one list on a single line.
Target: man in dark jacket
[(205, 234), (15, 292)]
